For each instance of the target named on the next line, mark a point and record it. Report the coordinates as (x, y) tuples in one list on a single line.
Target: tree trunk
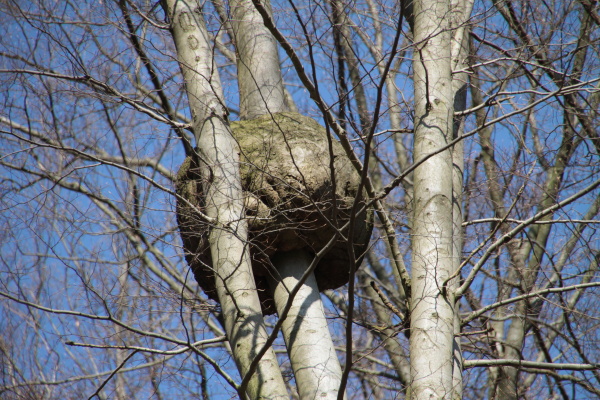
[(259, 73), (309, 344), (461, 10), (310, 347), (432, 311), (219, 153)]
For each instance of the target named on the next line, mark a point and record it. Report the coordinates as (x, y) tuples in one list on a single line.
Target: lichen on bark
[(288, 194)]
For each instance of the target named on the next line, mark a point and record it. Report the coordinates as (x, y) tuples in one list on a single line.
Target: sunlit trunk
[(310, 347), (432, 310), (224, 202), (316, 367)]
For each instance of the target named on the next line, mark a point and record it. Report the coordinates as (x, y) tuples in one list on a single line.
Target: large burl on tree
[(289, 198)]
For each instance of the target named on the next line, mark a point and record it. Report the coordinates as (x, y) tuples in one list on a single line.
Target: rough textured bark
[(262, 93), (432, 310), (224, 202), (290, 199)]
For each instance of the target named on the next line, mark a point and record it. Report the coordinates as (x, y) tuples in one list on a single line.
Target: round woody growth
[(289, 198)]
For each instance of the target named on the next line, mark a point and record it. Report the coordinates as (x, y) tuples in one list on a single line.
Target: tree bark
[(219, 154), (432, 310), (309, 344), (310, 347), (259, 74), (461, 10)]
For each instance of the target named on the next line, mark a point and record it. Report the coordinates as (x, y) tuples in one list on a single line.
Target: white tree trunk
[(310, 347), (461, 10), (432, 312), (259, 73), (224, 202)]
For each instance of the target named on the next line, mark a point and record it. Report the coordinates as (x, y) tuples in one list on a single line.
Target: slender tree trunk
[(457, 218), (395, 351), (461, 10), (432, 311), (219, 154), (309, 344), (314, 360), (515, 337), (259, 73)]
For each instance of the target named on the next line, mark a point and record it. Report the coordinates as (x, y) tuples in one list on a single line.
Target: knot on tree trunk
[(290, 198)]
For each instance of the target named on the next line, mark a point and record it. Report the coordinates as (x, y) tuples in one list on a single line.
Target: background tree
[(489, 105)]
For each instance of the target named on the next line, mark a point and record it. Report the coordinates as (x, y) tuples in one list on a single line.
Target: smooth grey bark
[(314, 360), (461, 10), (259, 74), (219, 153), (432, 310), (262, 92)]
